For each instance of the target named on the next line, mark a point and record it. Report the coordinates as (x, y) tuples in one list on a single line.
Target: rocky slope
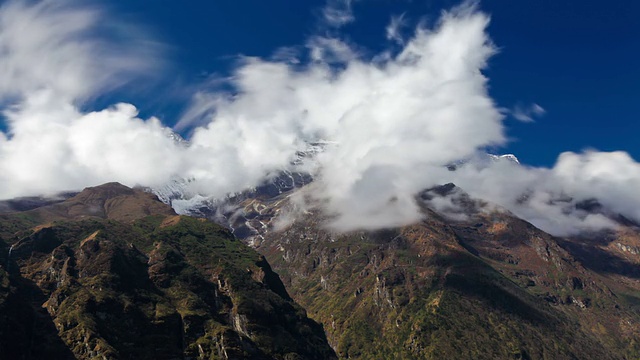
[(485, 286), (112, 273)]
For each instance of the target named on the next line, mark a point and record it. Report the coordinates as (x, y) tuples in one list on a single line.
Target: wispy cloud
[(338, 13), (64, 48), (330, 50), (528, 113), (394, 29)]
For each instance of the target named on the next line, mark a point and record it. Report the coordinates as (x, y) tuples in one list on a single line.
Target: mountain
[(113, 273), (32, 202), (468, 282), (491, 286), (481, 284), (508, 157), (483, 160)]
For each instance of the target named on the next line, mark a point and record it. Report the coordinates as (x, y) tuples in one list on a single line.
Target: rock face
[(485, 286), (113, 273)]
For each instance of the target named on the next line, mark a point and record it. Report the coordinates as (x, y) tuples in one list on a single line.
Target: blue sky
[(577, 59)]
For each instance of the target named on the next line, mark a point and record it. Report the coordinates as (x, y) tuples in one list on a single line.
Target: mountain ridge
[(468, 281)]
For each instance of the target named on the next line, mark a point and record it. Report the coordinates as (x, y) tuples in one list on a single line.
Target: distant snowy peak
[(484, 160), (508, 157), (312, 149), (181, 194), (179, 140), (177, 188)]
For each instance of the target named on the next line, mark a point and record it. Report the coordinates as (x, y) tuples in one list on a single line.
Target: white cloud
[(289, 55), (55, 147), (330, 50), (391, 120), (550, 198), (54, 57)]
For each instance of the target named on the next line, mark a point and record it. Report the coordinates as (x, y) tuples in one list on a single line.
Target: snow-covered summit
[(509, 157), (179, 140), (484, 160)]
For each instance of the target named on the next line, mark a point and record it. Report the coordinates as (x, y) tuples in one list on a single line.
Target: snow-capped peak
[(509, 157)]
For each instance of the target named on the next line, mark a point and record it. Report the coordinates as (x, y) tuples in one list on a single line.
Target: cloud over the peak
[(391, 119), (560, 199)]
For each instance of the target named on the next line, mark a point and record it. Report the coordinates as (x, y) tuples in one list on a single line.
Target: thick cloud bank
[(390, 119), (392, 122), (560, 200)]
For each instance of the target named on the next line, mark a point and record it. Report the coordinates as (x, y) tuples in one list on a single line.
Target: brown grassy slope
[(112, 201)]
